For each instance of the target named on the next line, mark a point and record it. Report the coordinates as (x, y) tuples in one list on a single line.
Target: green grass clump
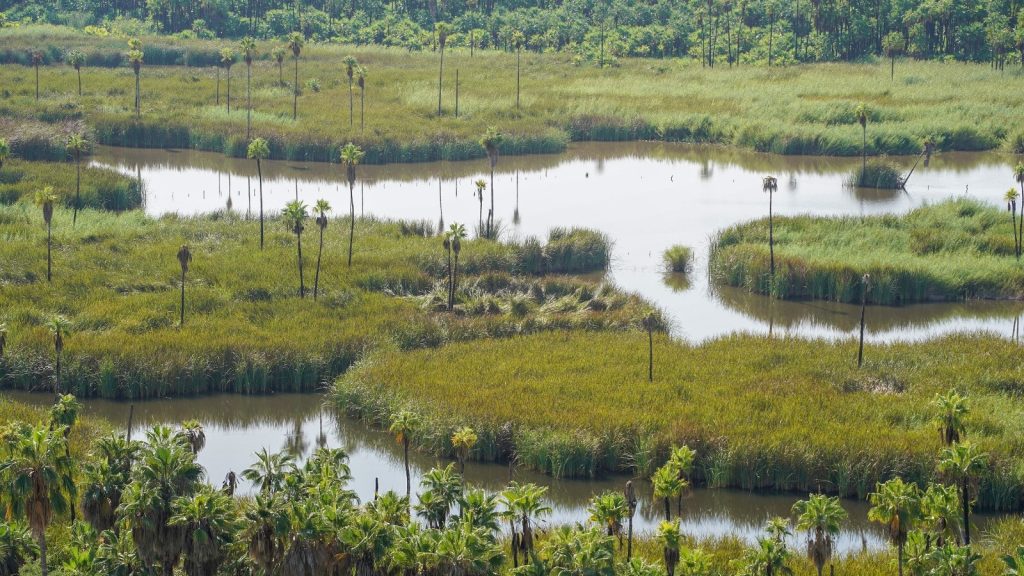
[(117, 279), (762, 413), (576, 250), (678, 258), (102, 188), (877, 174), (955, 250)]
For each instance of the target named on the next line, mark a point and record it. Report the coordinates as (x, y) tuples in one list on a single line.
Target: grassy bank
[(101, 188), (116, 279), (762, 413), (795, 110), (949, 251)]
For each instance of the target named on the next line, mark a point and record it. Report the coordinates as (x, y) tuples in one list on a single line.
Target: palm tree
[(259, 150), (403, 426), (950, 421), (37, 59), (525, 503), (211, 522), (865, 287), (193, 434), (518, 40), (295, 44), (820, 516), (770, 185), (76, 59), (962, 463), (768, 558), (295, 217), (320, 209), (1011, 207), (892, 45), (46, 199), (60, 328), (443, 486), (670, 538), (491, 142), (1018, 175), (268, 471), (463, 441), (940, 511), (351, 155), (248, 47), (184, 258), (442, 40), (607, 510), (278, 53), (350, 71), (481, 185), (861, 112), (17, 548), (5, 152), (456, 233), (135, 57), (667, 485), (227, 60), (649, 323), (39, 475), (76, 145), (361, 81), (897, 505)]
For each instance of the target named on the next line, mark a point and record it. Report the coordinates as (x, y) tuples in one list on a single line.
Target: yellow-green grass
[(116, 278), (101, 187), (762, 413), (954, 250), (792, 110)]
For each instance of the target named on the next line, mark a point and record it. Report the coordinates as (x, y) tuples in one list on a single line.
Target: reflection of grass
[(762, 413), (954, 250), (676, 281)]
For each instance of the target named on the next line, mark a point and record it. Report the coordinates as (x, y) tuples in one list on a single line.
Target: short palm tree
[(770, 185), (457, 233), (259, 150), (525, 503), (77, 144), (463, 441), (135, 58), (491, 142), (60, 328), (442, 488), (608, 510), (442, 39), (46, 199), (227, 60), (37, 59), (768, 558), (351, 156), (184, 259), (248, 48), (667, 485), (861, 112), (896, 505), (361, 81), (278, 53), (670, 538), (403, 426), (962, 463), (295, 44), (321, 208), (350, 71), (940, 514), (17, 548), (820, 516), (295, 215), (952, 415), (1011, 207), (76, 59), (892, 46)]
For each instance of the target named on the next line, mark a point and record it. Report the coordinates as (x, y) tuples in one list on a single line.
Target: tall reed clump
[(678, 259), (581, 406), (102, 188), (955, 250)]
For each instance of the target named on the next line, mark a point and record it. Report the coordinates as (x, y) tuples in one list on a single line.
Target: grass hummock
[(879, 174), (678, 259)]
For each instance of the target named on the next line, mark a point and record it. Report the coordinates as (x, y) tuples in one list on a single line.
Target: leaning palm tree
[(135, 58), (1011, 207), (184, 258), (59, 329), (351, 156), (76, 146), (295, 215), (46, 199), (962, 463), (403, 426), (5, 152), (39, 476), (227, 60), (952, 415), (770, 185), (37, 59), (350, 71), (897, 505), (248, 47), (269, 471), (821, 517), (278, 53), (670, 538), (442, 40), (76, 59), (361, 81), (259, 150), (491, 142), (320, 209), (456, 233), (295, 44), (861, 112), (463, 441)]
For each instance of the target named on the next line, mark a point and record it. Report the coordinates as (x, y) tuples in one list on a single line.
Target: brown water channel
[(645, 196)]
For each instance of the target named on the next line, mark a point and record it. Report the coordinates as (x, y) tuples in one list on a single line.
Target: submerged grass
[(762, 413), (950, 251), (102, 188), (808, 109)]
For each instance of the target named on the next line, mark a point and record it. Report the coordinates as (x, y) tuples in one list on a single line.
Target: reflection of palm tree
[(295, 444), (321, 438)]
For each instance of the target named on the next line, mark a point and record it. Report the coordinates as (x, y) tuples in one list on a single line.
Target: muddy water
[(645, 196), (238, 426)]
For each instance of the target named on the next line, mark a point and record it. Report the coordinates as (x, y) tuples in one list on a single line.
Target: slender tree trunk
[(864, 154), (42, 555), (771, 235), (78, 186), (218, 86), (892, 68), (49, 258), (490, 216), (228, 99), (965, 499), (302, 284), (351, 113), (181, 321), (79, 71), (138, 96), (56, 382), (668, 510), (295, 91), (408, 477), (362, 108), (37, 82), (248, 103), (456, 92), (259, 172), (455, 281), (319, 255), (863, 308), (1020, 230), (771, 35), (519, 52), (899, 557), (352, 222), (280, 73), (650, 355), (629, 541), (1016, 237), (440, 82)]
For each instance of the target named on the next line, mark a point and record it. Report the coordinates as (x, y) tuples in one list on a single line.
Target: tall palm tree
[(952, 415), (46, 199), (481, 185), (403, 426), (184, 258), (442, 39), (259, 150), (295, 215), (861, 112), (962, 463), (865, 287), (135, 58), (525, 504), (39, 475), (896, 505), (278, 53), (5, 152), (248, 47), (1011, 207), (518, 40), (295, 44), (456, 233), (821, 517), (76, 59), (667, 485), (770, 185), (361, 81), (892, 45), (649, 323), (37, 59), (351, 156), (350, 71), (463, 441), (60, 328), (608, 510), (320, 209), (227, 60), (670, 539), (491, 142), (76, 145)]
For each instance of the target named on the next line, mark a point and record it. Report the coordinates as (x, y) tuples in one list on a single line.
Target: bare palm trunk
[(319, 255), (362, 108), (965, 496), (352, 222), (295, 92), (248, 102), (771, 235), (864, 154), (78, 186), (181, 321), (79, 71), (259, 172), (668, 510), (629, 541), (138, 96), (1016, 237), (455, 281), (490, 215), (1020, 230), (456, 94), (408, 477), (440, 82), (227, 100), (519, 52), (49, 258), (650, 355), (37, 82), (302, 284), (351, 114), (42, 555), (218, 86), (863, 307), (899, 558)]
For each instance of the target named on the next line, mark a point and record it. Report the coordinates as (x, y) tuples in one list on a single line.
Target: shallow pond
[(238, 426), (645, 196)]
